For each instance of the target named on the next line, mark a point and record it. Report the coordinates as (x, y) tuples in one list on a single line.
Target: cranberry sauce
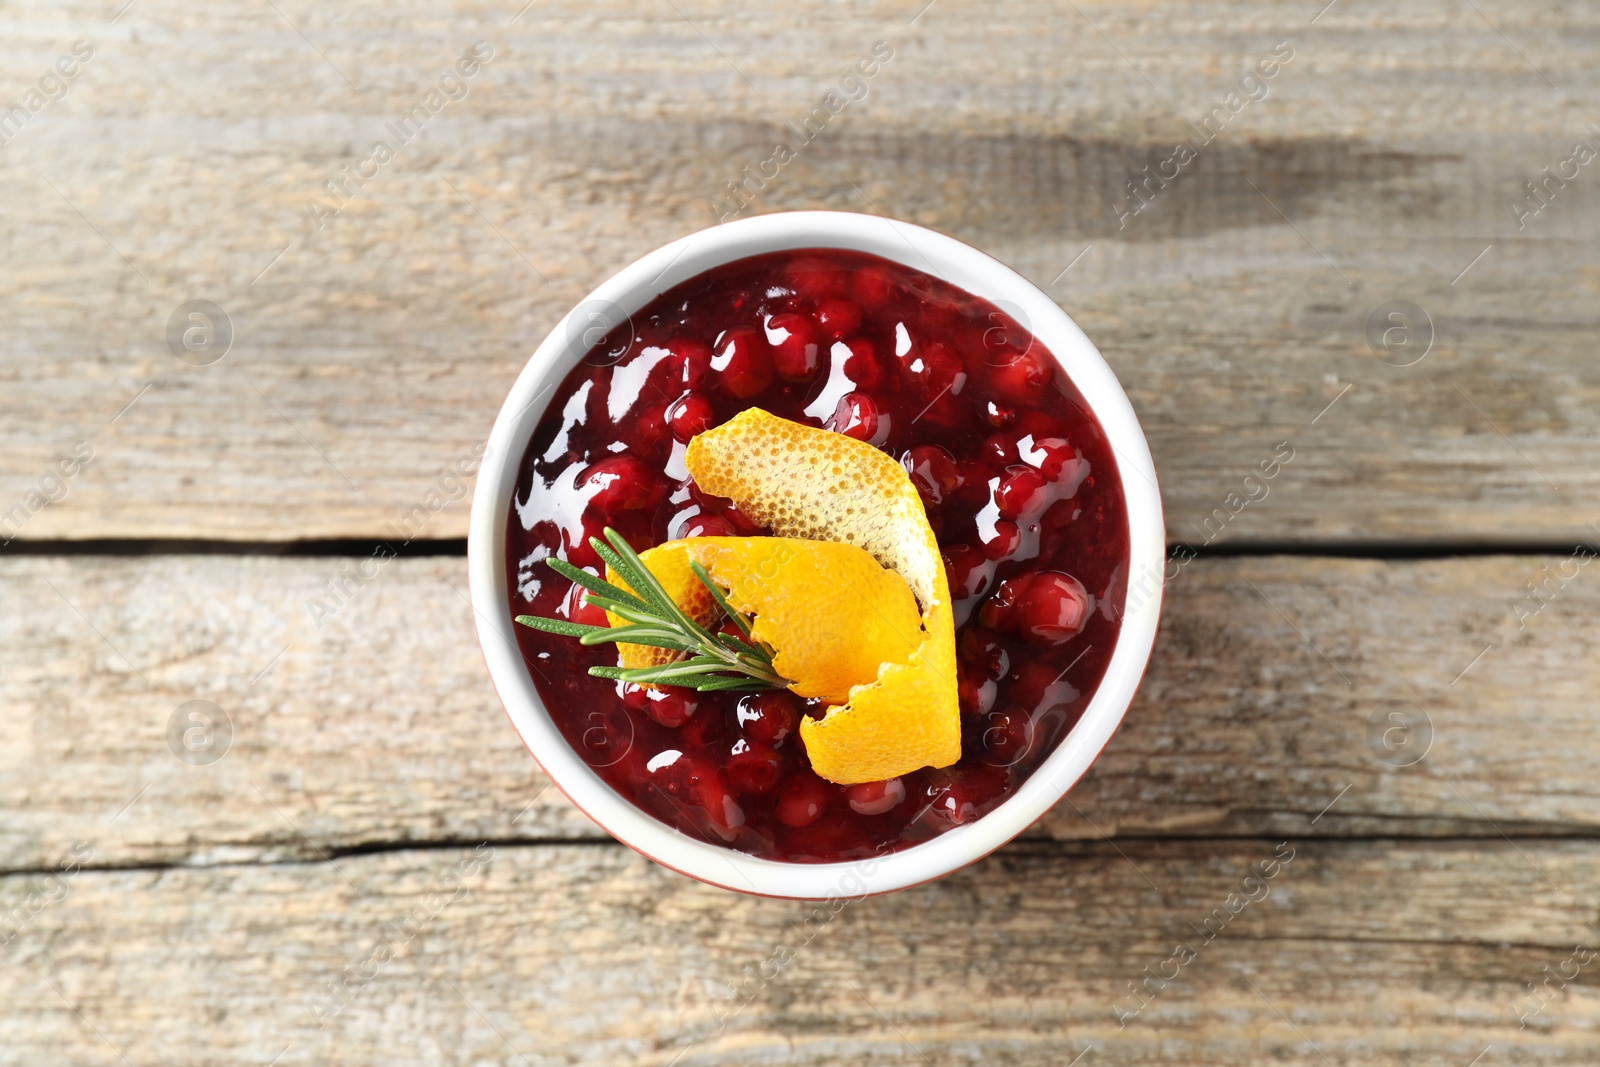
[(1020, 488)]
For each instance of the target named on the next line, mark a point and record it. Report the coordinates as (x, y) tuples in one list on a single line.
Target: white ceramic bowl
[(628, 291)]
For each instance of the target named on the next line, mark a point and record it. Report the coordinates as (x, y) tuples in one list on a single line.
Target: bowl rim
[(629, 290)]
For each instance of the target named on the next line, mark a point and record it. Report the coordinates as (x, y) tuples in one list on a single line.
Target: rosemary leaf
[(558, 626), (593, 584), (708, 661), (720, 597)]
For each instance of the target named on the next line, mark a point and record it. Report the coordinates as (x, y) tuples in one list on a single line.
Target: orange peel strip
[(829, 611), (818, 485)]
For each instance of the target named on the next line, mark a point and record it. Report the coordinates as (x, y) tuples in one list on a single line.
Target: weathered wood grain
[(375, 350), (1353, 953), (381, 727)]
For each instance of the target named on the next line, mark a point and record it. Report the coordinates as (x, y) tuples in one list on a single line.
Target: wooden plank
[(1351, 953), (371, 353), (381, 727)]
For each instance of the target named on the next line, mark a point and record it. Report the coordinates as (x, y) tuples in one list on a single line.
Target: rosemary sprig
[(706, 661)]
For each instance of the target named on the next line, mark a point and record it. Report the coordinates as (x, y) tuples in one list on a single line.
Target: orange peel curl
[(820, 486)]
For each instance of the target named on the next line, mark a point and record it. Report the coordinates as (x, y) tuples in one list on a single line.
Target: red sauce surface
[(1020, 488)]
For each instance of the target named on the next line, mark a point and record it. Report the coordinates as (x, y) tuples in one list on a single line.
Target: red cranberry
[(875, 798), (1040, 685), (743, 524), (1050, 454), (722, 811), (796, 349), (677, 773), (579, 552), (671, 706), (985, 652), (814, 279), (753, 768), (997, 414), (690, 363), (967, 571), (1046, 607), (861, 363), (708, 526), (802, 798), (1022, 491), (702, 731), (935, 371), (998, 449), (690, 414), (838, 319), (581, 611), (977, 693), (1060, 515), (1004, 542), (934, 472), (856, 416), (872, 286), (621, 483), (1020, 376), (743, 360), (1007, 735), (969, 793), (769, 717)]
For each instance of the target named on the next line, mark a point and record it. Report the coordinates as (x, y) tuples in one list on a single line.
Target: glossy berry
[(814, 278), (996, 414), (976, 693), (768, 717), (984, 652), (690, 362), (838, 319), (671, 706), (1022, 491), (998, 450), (968, 794), (743, 362), (1045, 607), (690, 414), (934, 371), (1041, 685), (872, 286), (1003, 542), (576, 549), (677, 773), (1021, 377), (801, 799), (753, 768), (862, 364), (621, 483), (1051, 455), (796, 346), (875, 798), (934, 472), (723, 814), (856, 416), (967, 570), (578, 610)]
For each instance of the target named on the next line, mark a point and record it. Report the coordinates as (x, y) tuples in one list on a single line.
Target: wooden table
[(1354, 670)]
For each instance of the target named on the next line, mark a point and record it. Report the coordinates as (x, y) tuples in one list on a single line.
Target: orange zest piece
[(822, 486), (829, 611)]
